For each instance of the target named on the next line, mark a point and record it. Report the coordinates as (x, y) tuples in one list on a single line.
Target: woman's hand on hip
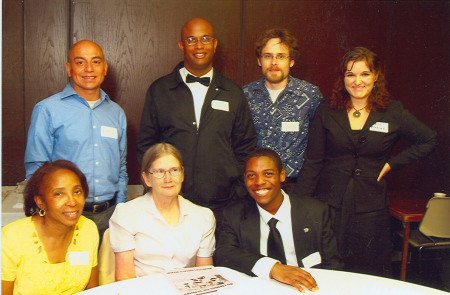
[(384, 171)]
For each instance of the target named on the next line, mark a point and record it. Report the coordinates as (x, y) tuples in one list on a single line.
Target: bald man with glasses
[(205, 116)]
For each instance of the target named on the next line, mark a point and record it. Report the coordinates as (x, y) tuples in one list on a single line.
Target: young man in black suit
[(302, 230)]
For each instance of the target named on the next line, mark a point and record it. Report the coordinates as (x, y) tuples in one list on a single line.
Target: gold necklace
[(357, 113)]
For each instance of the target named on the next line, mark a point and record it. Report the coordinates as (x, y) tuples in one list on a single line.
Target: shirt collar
[(183, 210), (151, 207), (69, 91), (282, 213), (217, 81)]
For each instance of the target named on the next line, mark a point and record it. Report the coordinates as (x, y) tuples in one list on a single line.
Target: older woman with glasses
[(161, 230)]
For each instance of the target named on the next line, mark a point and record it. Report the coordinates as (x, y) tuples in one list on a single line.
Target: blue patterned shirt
[(64, 126), (284, 125)]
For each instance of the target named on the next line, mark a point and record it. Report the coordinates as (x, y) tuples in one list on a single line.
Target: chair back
[(106, 262), (436, 220)]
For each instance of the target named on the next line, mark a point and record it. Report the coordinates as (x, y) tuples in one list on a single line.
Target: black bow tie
[(192, 79)]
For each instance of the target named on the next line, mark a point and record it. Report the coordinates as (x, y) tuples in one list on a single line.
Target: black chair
[(432, 240)]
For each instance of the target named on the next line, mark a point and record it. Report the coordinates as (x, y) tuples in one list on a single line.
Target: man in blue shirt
[(282, 107), (81, 124)]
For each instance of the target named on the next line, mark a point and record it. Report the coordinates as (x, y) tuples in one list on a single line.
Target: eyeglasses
[(205, 40), (161, 173), (280, 56)]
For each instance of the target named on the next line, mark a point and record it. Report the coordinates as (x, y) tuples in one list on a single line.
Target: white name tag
[(79, 258), (220, 105), (290, 126), (380, 127), (312, 260), (110, 132)]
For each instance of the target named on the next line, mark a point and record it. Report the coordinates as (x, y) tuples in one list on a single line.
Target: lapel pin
[(306, 229)]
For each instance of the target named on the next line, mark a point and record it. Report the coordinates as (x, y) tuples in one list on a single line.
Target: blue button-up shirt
[(64, 126), (284, 125)]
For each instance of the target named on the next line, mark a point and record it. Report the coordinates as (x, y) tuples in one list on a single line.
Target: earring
[(41, 212)]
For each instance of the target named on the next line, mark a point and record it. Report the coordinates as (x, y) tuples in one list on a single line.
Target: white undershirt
[(274, 94), (198, 91), (91, 103), (284, 225)]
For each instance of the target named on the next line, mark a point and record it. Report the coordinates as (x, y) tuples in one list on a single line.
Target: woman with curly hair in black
[(349, 152)]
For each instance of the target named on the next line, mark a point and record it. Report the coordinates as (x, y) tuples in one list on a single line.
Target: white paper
[(197, 280), (110, 132), (220, 105), (79, 258), (380, 127), (290, 126), (18, 206), (311, 260)]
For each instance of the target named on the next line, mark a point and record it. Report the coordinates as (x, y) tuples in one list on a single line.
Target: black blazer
[(239, 243), (214, 154), (334, 154)]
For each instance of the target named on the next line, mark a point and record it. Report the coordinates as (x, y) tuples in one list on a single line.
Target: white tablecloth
[(330, 282)]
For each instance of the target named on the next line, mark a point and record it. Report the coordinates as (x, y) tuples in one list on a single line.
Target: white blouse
[(137, 225)]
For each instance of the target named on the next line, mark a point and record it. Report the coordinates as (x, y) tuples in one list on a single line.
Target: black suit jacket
[(239, 243), (213, 154), (335, 154)]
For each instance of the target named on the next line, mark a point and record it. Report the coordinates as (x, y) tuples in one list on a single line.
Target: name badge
[(79, 258), (380, 127), (290, 126), (220, 105), (110, 132), (312, 260)]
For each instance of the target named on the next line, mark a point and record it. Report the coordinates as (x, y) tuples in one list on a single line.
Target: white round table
[(329, 282)]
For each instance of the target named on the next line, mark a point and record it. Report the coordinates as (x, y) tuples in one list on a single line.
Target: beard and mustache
[(274, 77)]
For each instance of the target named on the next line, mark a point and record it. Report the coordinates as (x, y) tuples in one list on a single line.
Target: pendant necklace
[(357, 113)]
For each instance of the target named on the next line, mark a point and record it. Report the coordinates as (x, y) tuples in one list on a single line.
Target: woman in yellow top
[(54, 249)]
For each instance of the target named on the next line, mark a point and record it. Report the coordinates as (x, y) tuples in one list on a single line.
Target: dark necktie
[(275, 247), (192, 79)]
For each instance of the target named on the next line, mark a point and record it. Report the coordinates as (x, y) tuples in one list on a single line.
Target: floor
[(435, 269)]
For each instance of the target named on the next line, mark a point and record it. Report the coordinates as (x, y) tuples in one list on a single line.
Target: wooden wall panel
[(46, 26), (324, 30), (139, 38), (140, 42), (413, 39), (419, 76), (13, 119)]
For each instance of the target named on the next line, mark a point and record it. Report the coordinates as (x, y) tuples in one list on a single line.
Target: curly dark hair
[(285, 37), (379, 98), (38, 177)]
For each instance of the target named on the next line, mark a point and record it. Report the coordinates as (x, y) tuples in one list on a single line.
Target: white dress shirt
[(198, 91), (284, 225), (137, 225)]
